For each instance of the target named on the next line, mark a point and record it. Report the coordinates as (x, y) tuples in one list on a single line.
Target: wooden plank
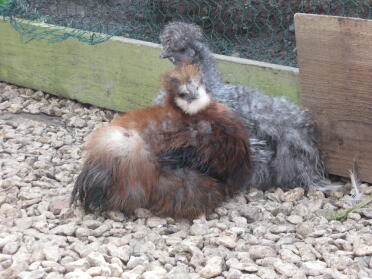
[(276, 80), (120, 74), (335, 59)]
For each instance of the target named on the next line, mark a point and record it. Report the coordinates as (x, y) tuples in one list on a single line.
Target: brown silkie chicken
[(179, 159)]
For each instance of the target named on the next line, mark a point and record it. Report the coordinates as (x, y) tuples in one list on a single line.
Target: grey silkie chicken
[(284, 147)]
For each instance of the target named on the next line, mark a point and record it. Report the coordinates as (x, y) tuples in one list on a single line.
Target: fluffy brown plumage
[(179, 159)]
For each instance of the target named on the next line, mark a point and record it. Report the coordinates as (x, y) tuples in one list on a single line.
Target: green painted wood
[(273, 79), (120, 74)]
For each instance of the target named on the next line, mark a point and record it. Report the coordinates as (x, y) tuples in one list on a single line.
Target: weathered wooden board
[(120, 74), (335, 59)]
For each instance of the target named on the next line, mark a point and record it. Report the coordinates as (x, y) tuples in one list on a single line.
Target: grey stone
[(122, 252), (142, 213), (306, 251), (249, 267), (314, 268), (313, 194), (287, 269), (96, 259), (199, 229), (301, 210), (51, 266), (228, 239), (10, 248), (135, 273), (277, 229), (295, 219), (255, 195), (276, 196), (267, 273), (288, 256), (81, 264), (156, 273), (136, 261), (115, 269), (77, 274), (260, 251), (234, 274), (77, 122), (41, 226), (84, 232), (66, 229), (82, 249), (116, 216), (251, 213), (143, 248), (23, 223), (340, 262), (363, 250), (354, 216), (366, 212), (101, 230), (249, 276), (9, 210), (213, 267), (91, 224), (197, 258), (293, 195), (54, 275), (94, 271), (36, 274), (300, 275), (305, 229), (156, 222), (52, 253)]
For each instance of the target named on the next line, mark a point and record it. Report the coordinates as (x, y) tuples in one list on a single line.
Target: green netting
[(256, 29)]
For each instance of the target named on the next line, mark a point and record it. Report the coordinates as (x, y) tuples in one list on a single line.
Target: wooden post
[(335, 61)]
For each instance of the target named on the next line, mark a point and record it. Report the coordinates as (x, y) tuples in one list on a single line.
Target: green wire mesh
[(255, 29)]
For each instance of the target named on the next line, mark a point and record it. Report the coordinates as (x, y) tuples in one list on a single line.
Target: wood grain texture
[(120, 74), (335, 59)]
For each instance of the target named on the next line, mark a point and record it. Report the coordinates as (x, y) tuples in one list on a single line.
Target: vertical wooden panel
[(335, 59)]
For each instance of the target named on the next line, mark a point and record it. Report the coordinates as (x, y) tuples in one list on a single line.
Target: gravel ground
[(259, 234)]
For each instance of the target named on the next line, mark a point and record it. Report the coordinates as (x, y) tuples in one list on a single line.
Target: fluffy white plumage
[(196, 105)]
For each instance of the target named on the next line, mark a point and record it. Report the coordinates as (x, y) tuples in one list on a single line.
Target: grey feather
[(284, 145)]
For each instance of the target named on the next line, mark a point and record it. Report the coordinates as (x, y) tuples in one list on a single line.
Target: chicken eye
[(182, 49), (182, 95)]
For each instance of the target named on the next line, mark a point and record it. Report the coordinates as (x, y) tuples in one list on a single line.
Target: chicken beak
[(164, 54), (192, 89)]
